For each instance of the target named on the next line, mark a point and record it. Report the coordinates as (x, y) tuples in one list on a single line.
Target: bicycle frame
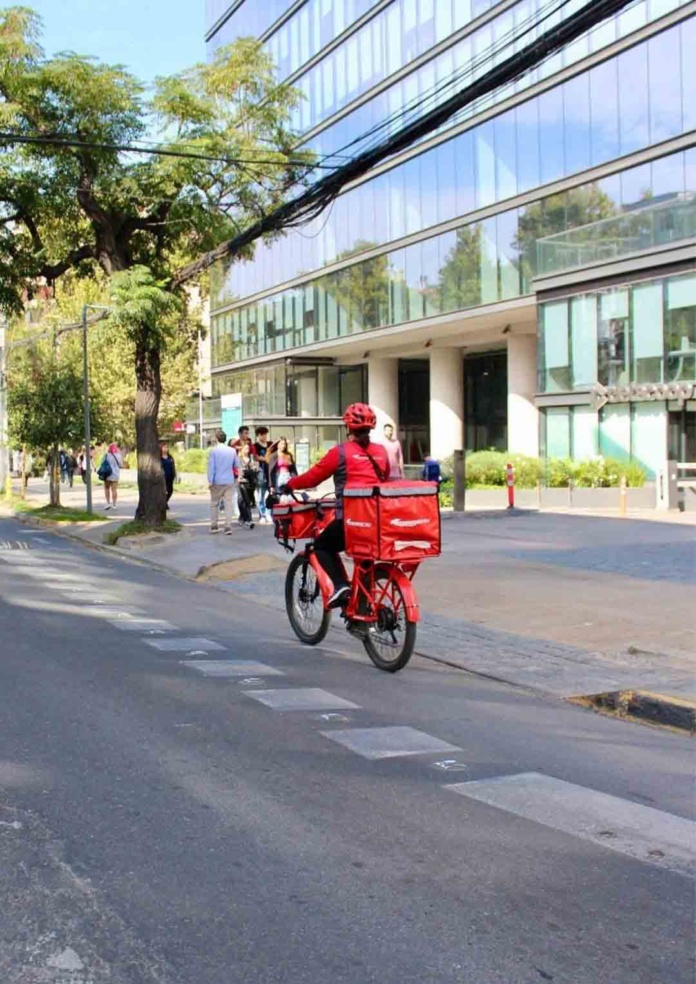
[(365, 596)]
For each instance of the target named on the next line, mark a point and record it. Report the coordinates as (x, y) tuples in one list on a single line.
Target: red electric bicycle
[(390, 529)]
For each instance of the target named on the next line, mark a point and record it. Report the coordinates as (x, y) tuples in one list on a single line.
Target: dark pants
[(170, 489), (246, 503), (327, 546)]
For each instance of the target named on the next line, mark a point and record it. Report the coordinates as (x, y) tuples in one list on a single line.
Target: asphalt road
[(160, 825)]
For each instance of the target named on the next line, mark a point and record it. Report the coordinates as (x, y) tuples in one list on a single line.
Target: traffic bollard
[(622, 496), (510, 473)]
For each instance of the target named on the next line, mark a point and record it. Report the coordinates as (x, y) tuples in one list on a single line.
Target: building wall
[(453, 225)]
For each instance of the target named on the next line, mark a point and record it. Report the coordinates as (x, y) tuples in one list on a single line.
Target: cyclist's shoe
[(340, 596)]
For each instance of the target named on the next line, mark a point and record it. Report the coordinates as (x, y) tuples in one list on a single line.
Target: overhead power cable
[(312, 202), (49, 141), (469, 71)]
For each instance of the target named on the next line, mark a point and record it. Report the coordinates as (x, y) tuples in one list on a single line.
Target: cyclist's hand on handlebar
[(283, 490)]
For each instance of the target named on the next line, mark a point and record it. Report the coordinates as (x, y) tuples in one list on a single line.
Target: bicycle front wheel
[(389, 642), (304, 603)]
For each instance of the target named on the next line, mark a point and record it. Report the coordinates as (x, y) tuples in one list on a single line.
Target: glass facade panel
[(649, 436), (558, 432), (615, 431), (476, 169), (612, 338), (583, 331), (555, 354), (584, 433), (477, 263), (646, 333), (680, 328)]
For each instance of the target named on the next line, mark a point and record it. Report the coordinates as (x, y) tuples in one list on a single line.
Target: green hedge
[(194, 460), (486, 469)]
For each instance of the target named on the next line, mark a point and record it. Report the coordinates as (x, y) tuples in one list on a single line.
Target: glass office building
[(524, 278)]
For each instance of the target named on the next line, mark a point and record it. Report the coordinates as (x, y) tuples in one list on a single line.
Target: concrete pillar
[(523, 416), (446, 402), (383, 391)]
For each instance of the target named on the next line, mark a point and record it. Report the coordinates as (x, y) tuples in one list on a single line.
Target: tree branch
[(51, 271)]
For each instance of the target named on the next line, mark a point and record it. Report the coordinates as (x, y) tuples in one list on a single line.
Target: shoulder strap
[(382, 474)]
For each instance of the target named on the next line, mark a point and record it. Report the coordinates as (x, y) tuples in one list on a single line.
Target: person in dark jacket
[(169, 469)]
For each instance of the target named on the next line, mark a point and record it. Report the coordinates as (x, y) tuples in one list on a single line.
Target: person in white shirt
[(113, 456), (223, 471)]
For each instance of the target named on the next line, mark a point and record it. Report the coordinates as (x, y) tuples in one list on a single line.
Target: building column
[(523, 415), (383, 391), (446, 402)]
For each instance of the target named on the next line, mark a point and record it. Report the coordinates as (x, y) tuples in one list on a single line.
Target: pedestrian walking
[(223, 469), (63, 463), (248, 472), (283, 466), (394, 452), (70, 468), (263, 450), (109, 472), (169, 469)]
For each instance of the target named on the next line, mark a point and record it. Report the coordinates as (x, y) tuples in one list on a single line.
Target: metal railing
[(639, 230)]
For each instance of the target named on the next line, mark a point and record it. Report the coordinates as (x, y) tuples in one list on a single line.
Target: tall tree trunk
[(152, 495), (54, 478)]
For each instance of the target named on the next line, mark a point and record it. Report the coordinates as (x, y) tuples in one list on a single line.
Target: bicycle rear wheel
[(389, 642), (304, 603)]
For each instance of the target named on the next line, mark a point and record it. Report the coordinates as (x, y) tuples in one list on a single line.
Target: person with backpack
[(169, 469), (109, 472), (431, 470), (248, 476), (356, 460)]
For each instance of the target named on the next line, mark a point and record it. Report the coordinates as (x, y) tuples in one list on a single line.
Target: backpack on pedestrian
[(104, 471), (431, 471)]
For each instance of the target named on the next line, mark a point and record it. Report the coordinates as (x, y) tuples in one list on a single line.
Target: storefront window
[(615, 431), (584, 433), (558, 432), (646, 333), (554, 348), (612, 338), (680, 328), (649, 436), (583, 333)]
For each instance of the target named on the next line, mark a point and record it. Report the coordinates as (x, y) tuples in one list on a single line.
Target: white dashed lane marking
[(629, 828), (300, 699), (230, 667), (143, 625), (185, 645), (390, 742)]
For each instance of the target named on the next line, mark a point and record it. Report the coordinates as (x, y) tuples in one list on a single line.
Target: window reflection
[(483, 263)]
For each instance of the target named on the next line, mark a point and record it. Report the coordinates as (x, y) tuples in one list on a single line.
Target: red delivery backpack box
[(393, 521), (302, 520)]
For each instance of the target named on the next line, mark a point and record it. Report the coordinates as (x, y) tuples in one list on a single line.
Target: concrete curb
[(664, 710)]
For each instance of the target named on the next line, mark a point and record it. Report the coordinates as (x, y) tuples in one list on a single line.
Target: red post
[(510, 471)]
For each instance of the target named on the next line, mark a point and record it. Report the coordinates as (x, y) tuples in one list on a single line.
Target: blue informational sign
[(231, 407)]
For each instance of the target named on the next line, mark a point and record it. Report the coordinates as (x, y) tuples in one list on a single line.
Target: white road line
[(391, 742), (143, 625), (640, 831), (300, 699), (230, 667), (185, 645)]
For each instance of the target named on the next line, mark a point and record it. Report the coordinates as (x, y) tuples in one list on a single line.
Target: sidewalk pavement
[(560, 603)]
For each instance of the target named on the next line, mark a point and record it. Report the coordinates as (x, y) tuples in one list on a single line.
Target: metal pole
[(88, 422), (200, 390), (459, 492)]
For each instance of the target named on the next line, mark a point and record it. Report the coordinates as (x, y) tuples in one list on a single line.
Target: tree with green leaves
[(46, 413), (73, 195)]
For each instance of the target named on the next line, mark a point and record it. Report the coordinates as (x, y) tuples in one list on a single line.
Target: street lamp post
[(85, 383)]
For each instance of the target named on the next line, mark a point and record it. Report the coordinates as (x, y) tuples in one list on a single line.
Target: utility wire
[(312, 202), (39, 140)]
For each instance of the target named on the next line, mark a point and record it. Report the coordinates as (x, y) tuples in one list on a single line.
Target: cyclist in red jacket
[(357, 461)]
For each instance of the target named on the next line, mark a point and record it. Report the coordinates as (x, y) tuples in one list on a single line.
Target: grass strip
[(136, 528)]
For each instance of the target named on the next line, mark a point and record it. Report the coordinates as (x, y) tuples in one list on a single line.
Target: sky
[(149, 37)]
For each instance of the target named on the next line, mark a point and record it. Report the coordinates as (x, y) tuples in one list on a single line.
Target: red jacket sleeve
[(318, 473)]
